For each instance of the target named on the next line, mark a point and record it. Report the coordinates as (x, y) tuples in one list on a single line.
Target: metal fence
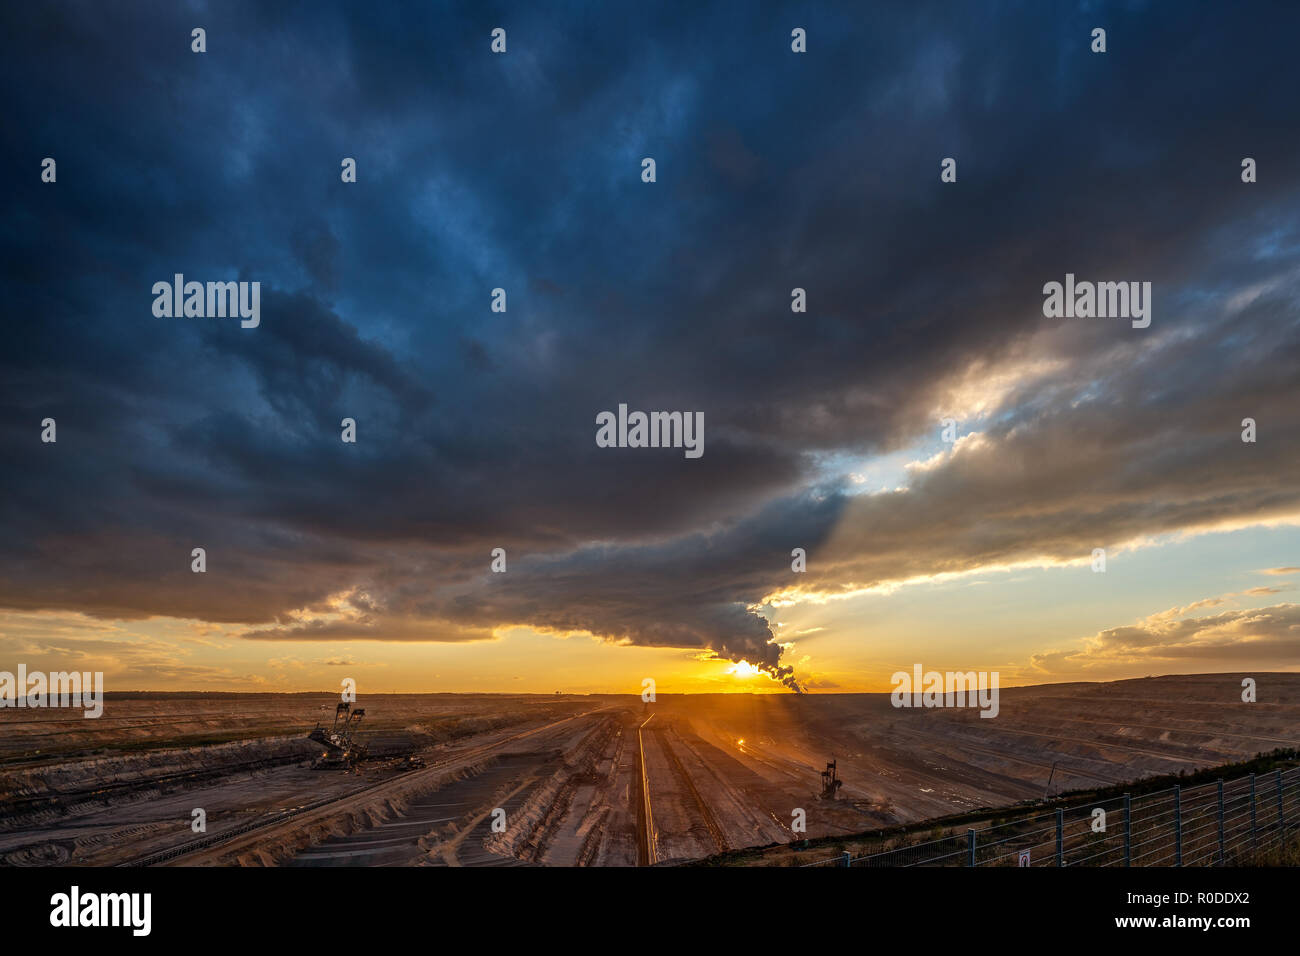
[(1212, 824)]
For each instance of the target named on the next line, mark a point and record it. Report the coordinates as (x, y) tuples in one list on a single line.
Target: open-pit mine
[(297, 780)]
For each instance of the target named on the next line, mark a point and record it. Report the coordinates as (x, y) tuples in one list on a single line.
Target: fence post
[(1222, 854), (1178, 825), (1281, 817), (1060, 837), (1128, 830), (970, 847), (1254, 834), (846, 859)]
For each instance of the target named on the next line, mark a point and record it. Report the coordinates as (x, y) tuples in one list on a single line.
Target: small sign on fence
[(1024, 858)]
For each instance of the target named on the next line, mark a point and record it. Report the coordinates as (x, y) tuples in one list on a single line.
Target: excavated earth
[(556, 780)]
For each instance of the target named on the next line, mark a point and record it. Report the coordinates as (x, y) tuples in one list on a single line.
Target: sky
[(476, 429)]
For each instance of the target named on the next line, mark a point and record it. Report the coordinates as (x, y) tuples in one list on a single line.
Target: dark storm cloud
[(476, 429)]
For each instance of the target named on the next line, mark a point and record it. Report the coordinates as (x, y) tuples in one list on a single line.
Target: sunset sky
[(476, 429)]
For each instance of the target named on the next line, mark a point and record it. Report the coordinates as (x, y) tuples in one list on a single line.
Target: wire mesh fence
[(1212, 824)]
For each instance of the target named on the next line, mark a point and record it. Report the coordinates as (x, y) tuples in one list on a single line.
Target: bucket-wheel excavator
[(342, 749)]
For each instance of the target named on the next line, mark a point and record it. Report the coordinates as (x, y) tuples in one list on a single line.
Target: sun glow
[(743, 670)]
